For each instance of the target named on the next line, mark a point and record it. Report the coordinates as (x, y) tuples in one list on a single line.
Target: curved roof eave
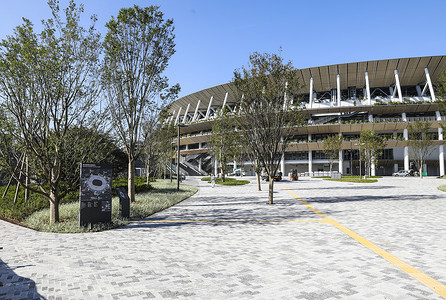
[(380, 72)]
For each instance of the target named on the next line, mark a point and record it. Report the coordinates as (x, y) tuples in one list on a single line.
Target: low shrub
[(228, 181), (162, 196), (357, 176), (140, 185), (20, 210), (355, 180), (442, 188)]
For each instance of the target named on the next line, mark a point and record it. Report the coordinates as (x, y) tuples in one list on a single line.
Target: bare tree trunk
[(259, 186), (16, 192), (131, 180), (54, 206), (257, 170), (54, 192), (222, 170), (26, 179), (147, 174), (271, 190)]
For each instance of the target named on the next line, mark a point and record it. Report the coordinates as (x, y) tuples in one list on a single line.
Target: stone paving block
[(282, 257)]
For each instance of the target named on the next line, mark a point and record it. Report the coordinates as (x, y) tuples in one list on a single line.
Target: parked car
[(401, 173)]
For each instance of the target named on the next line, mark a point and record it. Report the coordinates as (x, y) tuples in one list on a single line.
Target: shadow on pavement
[(13, 286), (208, 211), (372, 198), (351, 187)]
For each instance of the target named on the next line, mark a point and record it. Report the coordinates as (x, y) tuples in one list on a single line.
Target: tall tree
[(157, 149), (420, 143), (268, 89), (371, 147), (332, 146), (224, 140), (48, 88), (138, 46)]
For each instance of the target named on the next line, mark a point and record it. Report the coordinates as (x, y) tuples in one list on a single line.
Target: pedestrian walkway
[(321, 240)]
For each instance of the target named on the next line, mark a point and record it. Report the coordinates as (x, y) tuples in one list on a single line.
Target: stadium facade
[(383, 95)]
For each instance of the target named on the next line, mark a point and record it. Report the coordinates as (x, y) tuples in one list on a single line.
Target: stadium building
[(383, 95)]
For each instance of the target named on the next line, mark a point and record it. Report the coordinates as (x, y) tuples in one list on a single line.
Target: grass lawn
[(349, 176), (164, 195), (356, 180), (228, 181), (442, 187)]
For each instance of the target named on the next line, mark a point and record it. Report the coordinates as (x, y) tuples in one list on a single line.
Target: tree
[(138, 46), (224, 140), (157, 150), (420, 143), (440, 91), (371, 145), (48, 90), (268, 89), (332, 146)]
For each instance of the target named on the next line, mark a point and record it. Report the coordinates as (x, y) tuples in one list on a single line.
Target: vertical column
[(172, 116), (338, 89), (178, 116), (341, 159), (398, 86), (406, 150), (372, 167), (224, 103), (199, 164), (311, 92), (310, 159), (441, 147), (391, 92), (185, 114), (370, 118), (341, 162), (282, 164), (215, 166), (429, 82), (404, 117), (441, 152), (209, 107), (418, 88), (310, 162), (367, 87), (196, 111)]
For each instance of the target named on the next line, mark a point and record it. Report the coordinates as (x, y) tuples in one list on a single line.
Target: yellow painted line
[(306, 204), (428, 281), (222, 221)]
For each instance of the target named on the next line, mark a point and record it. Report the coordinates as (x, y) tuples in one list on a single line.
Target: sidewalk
[(226, 242)]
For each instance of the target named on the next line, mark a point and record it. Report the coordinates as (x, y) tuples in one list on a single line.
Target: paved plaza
[(321, 240)]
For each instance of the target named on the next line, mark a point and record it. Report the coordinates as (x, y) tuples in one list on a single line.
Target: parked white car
[(401, 173)]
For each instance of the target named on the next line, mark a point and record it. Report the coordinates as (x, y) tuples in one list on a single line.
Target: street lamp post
[(170, 159), (178, 155)]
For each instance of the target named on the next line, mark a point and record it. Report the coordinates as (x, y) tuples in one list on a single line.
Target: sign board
[(124, 203), (95, 195)]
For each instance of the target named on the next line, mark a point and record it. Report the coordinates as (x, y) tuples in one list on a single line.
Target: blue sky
[(215, 37)]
